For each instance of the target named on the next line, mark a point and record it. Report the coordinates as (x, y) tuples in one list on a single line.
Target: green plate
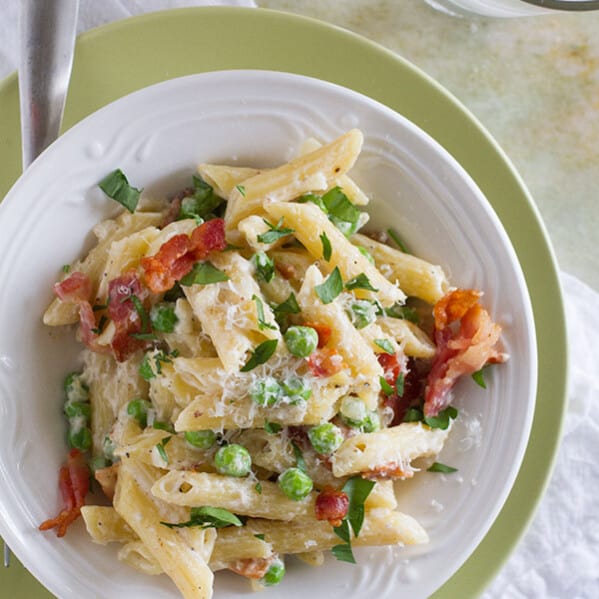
[(122, 57)]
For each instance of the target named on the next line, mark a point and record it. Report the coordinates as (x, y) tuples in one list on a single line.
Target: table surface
[(532, 82)]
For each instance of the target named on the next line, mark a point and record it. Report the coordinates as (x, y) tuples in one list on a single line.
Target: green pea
[(266, 392), (295, 483), (201, 439), (78, 409), (138, 409), (296, 389), (234, 460), (275, 573), (371, 423), (80, 438), (163, 317), (353, 411), (363, 313), (301, 341), (325, 438), (75, 389)]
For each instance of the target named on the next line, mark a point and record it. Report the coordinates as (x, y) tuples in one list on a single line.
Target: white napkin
[(559, 556)]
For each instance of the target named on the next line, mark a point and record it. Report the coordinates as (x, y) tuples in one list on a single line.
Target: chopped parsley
[(331, 287), (342, 213), (479, 378), (208, 517), (385, 345), (265, 267), (299, 457), (116, 187), (442, 419), (360, 282), (161, 448), (386, 388), (203, 273), (201, 204), (438, 467), (327, 250), (275, 232), (397, 239), (262, 324), (260, 355), (241, 189)]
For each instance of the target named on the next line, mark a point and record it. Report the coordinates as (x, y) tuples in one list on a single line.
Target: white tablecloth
[(559, 555)]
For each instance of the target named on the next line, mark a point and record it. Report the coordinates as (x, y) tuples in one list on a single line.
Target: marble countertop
[(532, 82)]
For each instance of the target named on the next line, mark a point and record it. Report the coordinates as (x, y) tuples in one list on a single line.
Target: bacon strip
[(73, 483), (176, 257), (462, 350)]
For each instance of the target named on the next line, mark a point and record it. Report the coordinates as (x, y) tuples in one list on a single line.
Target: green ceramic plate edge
[(128, 55)]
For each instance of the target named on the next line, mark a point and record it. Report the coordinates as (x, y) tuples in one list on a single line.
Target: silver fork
[(48, 30)]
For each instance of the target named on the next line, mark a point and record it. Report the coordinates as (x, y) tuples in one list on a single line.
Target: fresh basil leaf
[(260, 355), (386, 388), (343, 214), (357, 490), (203, 273), (344, 553), (396, 238), (116, 187), (360, 282), (275, 233), (331, 287), (208, 517), (385, 345), (400, 382), (479, 378), (272, 428), (327, 250), (299, 456), (289, 306), (442, 419), (438, 467), (264, 265)]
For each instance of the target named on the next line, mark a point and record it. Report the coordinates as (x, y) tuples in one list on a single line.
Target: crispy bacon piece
[(124, 314), (252, 567), (326, 361), (323, 330), (73, 482), (208, 237), (462, 349), (332, 505), (176, 257), (392, 470), (77, 289), (391, 367)]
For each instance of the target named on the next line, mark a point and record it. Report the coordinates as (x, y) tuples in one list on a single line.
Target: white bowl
[(157, 136)]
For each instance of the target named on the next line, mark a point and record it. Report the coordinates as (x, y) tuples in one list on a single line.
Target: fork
[(47, 31)]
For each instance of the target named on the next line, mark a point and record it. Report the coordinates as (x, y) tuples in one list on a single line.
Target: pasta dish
[(257, 373)]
